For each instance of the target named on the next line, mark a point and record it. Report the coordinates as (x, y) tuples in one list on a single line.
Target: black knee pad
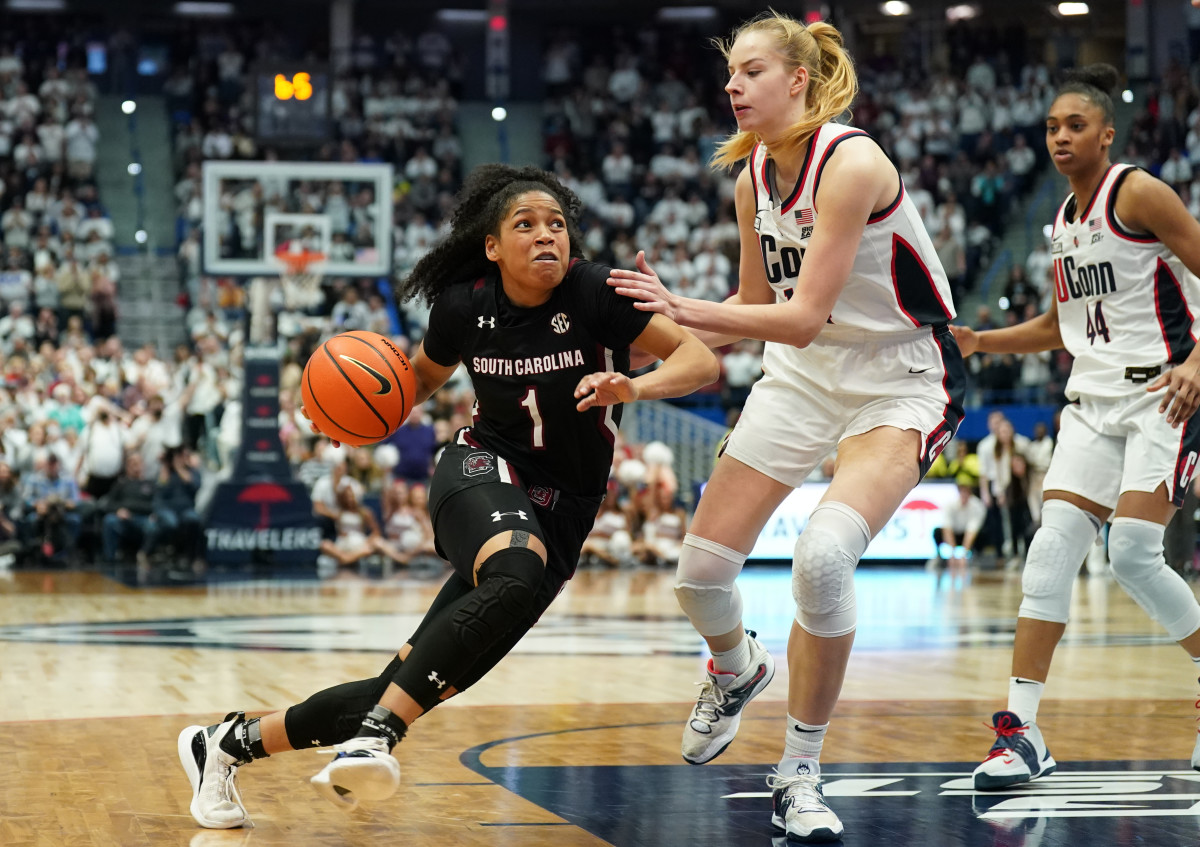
[(335, 714), (508, 583)]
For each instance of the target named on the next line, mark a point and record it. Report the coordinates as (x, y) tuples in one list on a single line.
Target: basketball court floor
[(573, 741)]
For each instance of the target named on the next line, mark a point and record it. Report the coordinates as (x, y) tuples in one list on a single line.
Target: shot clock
[(292, 104)]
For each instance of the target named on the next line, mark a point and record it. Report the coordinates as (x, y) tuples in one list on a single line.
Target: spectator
[(957, 537), (51, 500), (1037, 456), (175, 515), (10, 509), (407, 529), (81, 139), (609, 542), (415, 439), (357, 533), (126, 510), (102, 456)]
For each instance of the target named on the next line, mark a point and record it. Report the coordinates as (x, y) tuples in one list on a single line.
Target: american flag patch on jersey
[(804, 216), (1093, 224)]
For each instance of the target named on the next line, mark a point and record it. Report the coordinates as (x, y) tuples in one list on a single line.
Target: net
[(300, 278)]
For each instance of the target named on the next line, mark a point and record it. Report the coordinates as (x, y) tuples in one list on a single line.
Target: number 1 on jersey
[(1096, 326), (529, 401)]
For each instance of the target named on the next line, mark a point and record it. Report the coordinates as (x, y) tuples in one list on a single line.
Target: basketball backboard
[(256, 210)]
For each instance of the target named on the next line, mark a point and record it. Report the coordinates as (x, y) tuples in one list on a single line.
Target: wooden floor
[(574, 739)]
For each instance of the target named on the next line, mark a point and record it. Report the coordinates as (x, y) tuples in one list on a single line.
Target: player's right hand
[(644, 286), (967, 338), (312, 426)]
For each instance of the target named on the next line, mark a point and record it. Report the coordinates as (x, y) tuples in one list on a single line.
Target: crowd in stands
[(107, 454), (631, 125)]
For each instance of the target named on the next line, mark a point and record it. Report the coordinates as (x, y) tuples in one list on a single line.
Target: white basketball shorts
[(811, 398)]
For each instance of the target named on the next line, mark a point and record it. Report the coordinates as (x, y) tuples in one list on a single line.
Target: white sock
[(1024, 695), (735, 661), (802, 741)]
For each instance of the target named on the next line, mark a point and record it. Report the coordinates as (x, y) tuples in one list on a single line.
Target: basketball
[(358, 388)]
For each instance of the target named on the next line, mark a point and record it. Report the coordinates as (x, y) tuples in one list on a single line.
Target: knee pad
[(1053, 560), (704, 585), (508, 583), (826, 554), (1135, 551)]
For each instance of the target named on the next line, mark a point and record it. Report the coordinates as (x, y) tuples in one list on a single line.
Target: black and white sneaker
[(363, 768), (798, 808), (216, 802)]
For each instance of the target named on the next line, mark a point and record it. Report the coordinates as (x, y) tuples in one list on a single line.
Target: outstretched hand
[(606, 388), (644, 286), (1183, 391), (967, 338)]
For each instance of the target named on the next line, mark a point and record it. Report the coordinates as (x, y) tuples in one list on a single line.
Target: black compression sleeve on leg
[(335, 714), (456, 637)]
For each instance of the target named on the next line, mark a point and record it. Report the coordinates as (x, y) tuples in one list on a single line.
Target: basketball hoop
[(300, 277)]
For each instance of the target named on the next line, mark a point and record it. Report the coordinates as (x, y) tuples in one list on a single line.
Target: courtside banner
[(908, 535)]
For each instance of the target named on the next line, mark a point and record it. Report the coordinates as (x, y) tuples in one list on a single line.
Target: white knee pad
[(1052, 563), (826, 554), (1135, 550), (704, 585)]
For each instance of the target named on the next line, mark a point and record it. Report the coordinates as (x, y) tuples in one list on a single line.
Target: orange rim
[(298, 263)]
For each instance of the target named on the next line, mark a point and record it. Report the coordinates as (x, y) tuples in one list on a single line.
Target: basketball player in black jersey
[(546, 343)]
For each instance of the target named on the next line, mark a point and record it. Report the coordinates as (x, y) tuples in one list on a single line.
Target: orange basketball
[(358, 388)]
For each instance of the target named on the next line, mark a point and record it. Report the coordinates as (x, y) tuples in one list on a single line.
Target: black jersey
[(526, 363)]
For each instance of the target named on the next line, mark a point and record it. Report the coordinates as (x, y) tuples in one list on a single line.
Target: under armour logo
[(490, 323), (496, 516), (433, 677)]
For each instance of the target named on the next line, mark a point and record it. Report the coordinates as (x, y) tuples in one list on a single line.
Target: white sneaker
[(1019, 755), (718, 710), (798, 808), (363, 769), (216, 802)]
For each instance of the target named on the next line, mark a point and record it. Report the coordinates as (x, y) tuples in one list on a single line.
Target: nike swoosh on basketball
[(385, 385), (923, 370)]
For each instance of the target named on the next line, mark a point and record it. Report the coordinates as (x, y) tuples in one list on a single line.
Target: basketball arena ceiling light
[(687, 13), (36, 5), (896, 8), (462, 16), (198, 9), (962, 12), (1071, 9)]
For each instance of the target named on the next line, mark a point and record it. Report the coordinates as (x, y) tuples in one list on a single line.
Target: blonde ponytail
[(832, 82)]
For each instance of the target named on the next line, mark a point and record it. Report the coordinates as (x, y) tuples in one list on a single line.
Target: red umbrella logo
[(264, 494)]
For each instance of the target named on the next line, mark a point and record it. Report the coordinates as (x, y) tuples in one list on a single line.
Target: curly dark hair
[(482, 203), (1096, 83)]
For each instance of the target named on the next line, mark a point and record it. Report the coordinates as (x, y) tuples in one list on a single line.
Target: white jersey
[(896, 283), (1126, 304)]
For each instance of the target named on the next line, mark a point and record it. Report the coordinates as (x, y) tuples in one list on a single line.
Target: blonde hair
[(832, 82)]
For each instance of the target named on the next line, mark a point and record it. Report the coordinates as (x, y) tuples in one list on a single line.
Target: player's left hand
[(644, 286), (605, 389), (1183, 392)]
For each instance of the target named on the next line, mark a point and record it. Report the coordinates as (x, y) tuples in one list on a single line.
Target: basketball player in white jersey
[(839, 277), (1125, 254)]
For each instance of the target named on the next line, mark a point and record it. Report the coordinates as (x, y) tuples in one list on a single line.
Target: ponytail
[(832, 81)]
